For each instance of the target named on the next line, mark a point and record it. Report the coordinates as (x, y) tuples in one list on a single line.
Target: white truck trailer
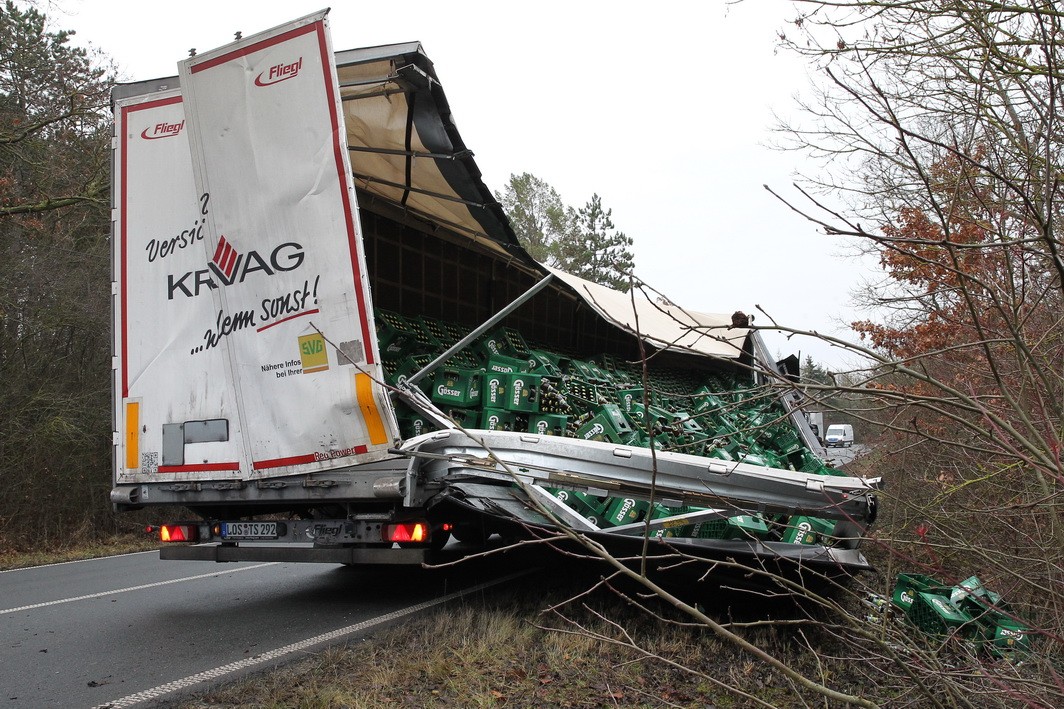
[(330, 346)]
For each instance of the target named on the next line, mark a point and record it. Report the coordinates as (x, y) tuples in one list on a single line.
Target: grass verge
[(512, 653), (12, 557)]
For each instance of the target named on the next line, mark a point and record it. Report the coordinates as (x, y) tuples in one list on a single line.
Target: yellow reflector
[(368, 405), (133, 435)]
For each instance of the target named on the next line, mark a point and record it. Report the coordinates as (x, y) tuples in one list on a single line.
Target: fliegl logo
[(229, 266), (278, 73), (162, 130)]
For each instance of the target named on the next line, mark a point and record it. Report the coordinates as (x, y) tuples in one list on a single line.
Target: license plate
[(249, 530)]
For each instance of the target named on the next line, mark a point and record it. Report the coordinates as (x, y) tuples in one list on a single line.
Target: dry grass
[(12, 557), (514, 655), (507, 651)]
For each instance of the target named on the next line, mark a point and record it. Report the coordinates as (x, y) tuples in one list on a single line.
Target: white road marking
[(164, 689), (134, 588), (76, 561)]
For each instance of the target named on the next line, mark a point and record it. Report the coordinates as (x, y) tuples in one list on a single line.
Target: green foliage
[(593, 248), (54, 267), (537, 214), (582, 241)]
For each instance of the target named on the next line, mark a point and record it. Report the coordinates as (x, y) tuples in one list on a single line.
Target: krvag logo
[(162, 130), (228, 266), (278, 73)]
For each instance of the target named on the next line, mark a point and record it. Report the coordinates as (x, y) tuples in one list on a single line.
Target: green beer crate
[(546, 363), (495, 389), (443, 332), (505, 342), (548, 424), (810, 463), (515, 392), (409, 366), (630, 398), (637, 413), (599, 428), (579, 390), (394, 338), (686, 421), (782, 440), (412, 424), (522, 392), (582, 503), (457, 387), (807, 530), (624, 510), (937, 615), (620, 422), (1000, 632), (463, 360), (516, 342), (715, 528), (746, 527), (1003, 636), (706, 400), (427, 342), (677, 528), (763, 459), (498, 420), (908, 586), (466, 418), (501, 364), (719, 453), (589, 371)]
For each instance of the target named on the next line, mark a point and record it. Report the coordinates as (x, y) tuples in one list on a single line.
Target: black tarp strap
[(410, 99)]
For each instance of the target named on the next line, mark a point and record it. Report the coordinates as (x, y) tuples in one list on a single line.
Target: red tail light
[(406, 532), (178, 533)]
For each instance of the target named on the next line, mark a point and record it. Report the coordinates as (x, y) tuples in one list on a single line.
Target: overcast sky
[(664, 109)]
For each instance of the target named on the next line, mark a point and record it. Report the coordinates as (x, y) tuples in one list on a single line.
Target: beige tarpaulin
[(405, 148), (659, 324)]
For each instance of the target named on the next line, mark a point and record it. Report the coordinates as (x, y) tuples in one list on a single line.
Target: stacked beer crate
[(500, 382)]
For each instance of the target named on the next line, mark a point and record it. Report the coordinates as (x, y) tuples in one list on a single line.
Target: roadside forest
[(937, 130), (55, 267)]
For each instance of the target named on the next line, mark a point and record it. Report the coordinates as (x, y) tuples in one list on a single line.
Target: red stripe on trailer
[(200, 468)]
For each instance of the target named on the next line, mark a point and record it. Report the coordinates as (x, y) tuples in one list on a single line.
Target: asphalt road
[(840, 457), (127, 630)]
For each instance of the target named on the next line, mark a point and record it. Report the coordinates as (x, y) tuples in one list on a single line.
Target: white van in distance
[(839, 434)]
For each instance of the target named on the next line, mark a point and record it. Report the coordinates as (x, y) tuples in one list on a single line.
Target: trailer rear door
[(244, 329)]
